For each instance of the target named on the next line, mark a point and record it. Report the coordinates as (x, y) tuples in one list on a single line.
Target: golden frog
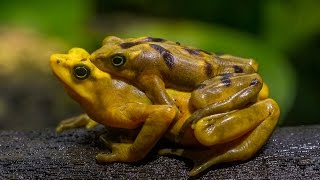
[(219, 83), (223, 137)]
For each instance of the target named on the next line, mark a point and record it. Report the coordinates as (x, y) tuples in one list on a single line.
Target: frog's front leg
[(222, 94), (237, 149), (155, 118), (81, 120), (155, 89)]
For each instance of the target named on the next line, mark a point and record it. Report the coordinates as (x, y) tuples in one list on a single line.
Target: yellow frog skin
[(224, 137), (219, 83)]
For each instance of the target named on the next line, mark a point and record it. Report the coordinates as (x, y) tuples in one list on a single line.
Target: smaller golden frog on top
[(222, 137), (219, 83)]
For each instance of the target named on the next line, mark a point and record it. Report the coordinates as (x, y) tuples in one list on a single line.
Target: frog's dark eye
[(81, 72), (118, 60)]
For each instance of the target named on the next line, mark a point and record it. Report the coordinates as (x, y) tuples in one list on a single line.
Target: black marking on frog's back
[(158, 48), (192, 51), (127, 45), (166, 54), (225, 79), (208, 69), (237, 69), (196, 51), (169, 59), (152, 39)]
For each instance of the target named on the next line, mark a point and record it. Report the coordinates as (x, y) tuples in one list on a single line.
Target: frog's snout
[(55, 58)]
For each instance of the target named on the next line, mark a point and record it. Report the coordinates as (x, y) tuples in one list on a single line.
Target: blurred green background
[(283, 36)]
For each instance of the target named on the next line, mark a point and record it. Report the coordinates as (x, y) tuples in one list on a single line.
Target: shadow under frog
[(222, 137)]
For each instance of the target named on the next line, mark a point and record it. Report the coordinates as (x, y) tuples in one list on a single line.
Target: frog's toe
[(60, 128), (106, 158), (91, 124), (79, 121), (65, 125), (120, 153), (196, 170)]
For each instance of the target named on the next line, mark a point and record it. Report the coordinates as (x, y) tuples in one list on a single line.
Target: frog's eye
[(81, 71), (118, 60)]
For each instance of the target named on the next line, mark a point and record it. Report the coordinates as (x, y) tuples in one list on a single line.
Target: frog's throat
[(78, 97)]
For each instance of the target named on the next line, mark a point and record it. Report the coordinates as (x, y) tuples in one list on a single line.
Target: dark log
[(291, 153)]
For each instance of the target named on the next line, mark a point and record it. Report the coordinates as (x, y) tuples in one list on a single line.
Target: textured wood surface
[(291, 153)]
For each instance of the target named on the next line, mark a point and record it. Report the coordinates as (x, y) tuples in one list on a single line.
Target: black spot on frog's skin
[(152, 39), (200, 86), (208, 69), (167, 56), (58, 61), (192, 51), (127, 45), (254, 82), (226, 80), (158, 48), (178, 43), (237, 69)]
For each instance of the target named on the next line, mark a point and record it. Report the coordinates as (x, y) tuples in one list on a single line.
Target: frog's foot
[(239, 149), (76, 122), (121, 152)]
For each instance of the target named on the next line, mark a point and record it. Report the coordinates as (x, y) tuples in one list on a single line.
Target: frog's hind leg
[(225, 127), (238, 149), (222, 94)]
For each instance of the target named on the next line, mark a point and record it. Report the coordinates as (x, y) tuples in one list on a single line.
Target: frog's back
[(181, 67), (200, 65)]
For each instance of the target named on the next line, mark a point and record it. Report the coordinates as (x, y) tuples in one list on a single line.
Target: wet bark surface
[(291, 153)]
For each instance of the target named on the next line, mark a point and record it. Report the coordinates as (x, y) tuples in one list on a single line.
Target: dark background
[(284, 37)]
